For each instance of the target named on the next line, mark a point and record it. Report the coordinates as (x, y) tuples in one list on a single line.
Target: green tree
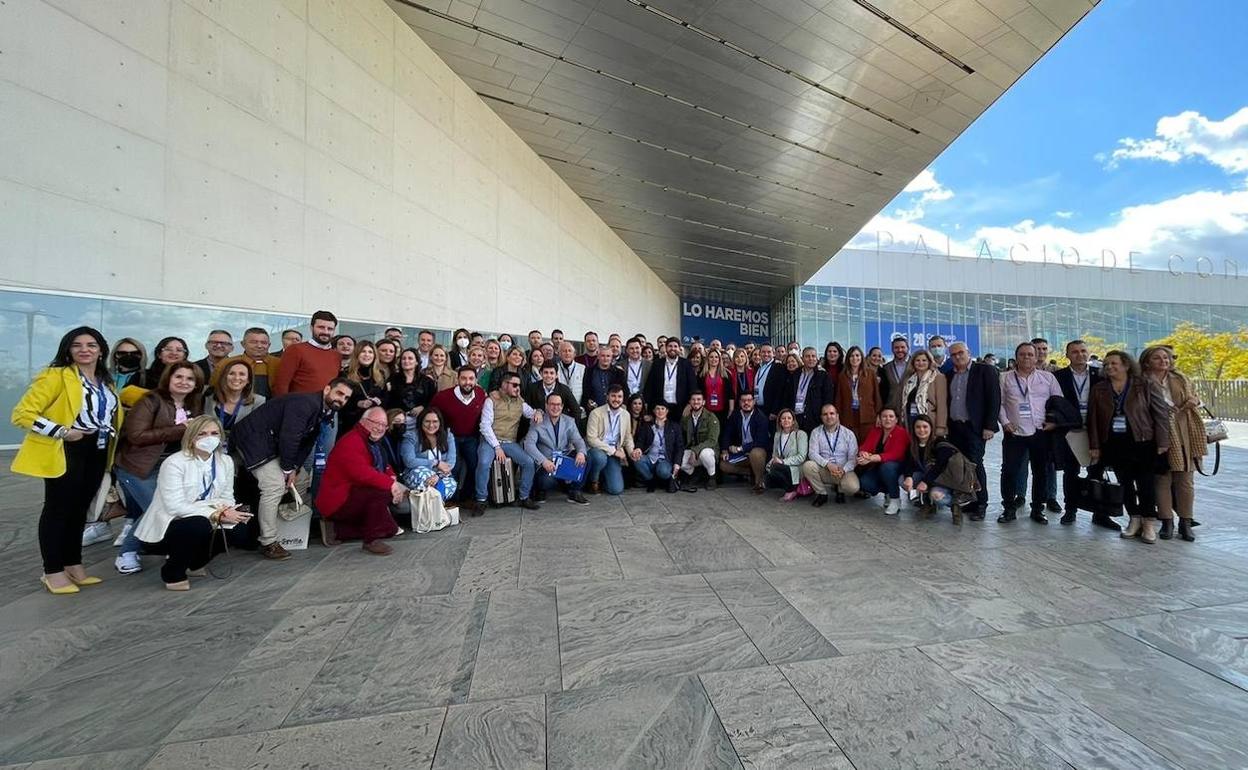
[(1097, 346), (1202, 355)]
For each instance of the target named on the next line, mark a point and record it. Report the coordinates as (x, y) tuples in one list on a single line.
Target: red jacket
[(349, 464), (734, 388), (895, 448)]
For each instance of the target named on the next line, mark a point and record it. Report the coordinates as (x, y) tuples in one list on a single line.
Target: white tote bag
[(429, 513)]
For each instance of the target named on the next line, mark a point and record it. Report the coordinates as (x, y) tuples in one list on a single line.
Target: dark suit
[(535, 396), (596, 382), (769, 396), (983, 405), (645, 375), (732, 431), (891, 385), (819, 391), (684, 383), (1063, 457)]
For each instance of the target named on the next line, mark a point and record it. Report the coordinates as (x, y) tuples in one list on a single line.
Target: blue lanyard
[(761, 375), (745, 428), (634, 374), (1019, 384), (554, 425), (233, 415), (658, 436), (1080, 388), (741, 382), (803, 384), (212, 479), (101, 401), (831, 445), (784, 443), (1120, 400), (614, 423)]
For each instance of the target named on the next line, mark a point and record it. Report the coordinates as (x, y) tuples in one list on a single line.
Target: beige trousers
[(820, 479), (1176, 493)]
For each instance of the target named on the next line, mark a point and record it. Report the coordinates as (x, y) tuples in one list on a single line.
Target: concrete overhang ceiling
[(736, 145)]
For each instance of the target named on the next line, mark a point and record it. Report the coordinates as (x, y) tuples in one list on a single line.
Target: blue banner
[(707, 320), (882, 333)]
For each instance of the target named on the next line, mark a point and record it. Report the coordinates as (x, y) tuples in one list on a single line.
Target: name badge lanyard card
[(1080, 389), (104, 430), (1024, 404), (1119, 424)]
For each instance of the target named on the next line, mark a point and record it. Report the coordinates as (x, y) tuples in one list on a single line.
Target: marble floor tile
[(767, 722), (708, 546), (1184, 638), (646, 509), (667, 723), (125, 759), (1089, 572), (549, 555), (495, 522), (1230, 619), (491, 562), (398, 656), (26, 655), (640, 552), (1072, 730), (772, 542), (1187, 716), (779, 632), (494, 734), (430, 570), (421, 565), (399, 741), (831, 537), (559, 515), (898, 709), (611, 633), (519, 652), (253, 583), (260, 691), (864, 605), (75, 707)]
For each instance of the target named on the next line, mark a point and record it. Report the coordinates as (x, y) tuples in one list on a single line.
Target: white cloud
[(1063, 214), (929, 190), (1224, 143)]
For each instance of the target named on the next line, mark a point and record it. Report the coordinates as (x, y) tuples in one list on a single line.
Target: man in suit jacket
[(671, 379), (610, 438), (1076, 382), (745, 433), (770, 381), (701, 430), (599, 379), (636, 369), (535, 393), (893, 375), (272, 443), (556, 433), (808, 390), (974, 405)]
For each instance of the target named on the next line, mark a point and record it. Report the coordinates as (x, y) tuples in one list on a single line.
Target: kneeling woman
[(194, 495), (429, 456), (928, 465)]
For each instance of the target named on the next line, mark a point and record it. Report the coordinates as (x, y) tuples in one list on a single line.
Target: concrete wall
[(287, 155), (903, 270)]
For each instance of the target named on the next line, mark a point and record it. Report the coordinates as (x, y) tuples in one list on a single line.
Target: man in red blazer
[(359, 486)]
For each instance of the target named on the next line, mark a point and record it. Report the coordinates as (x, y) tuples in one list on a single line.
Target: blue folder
[(567, 470)]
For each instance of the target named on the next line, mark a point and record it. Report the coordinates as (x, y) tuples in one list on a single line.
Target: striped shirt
[(99, 409)]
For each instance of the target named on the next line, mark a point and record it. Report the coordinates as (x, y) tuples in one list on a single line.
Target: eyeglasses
[(219, 344)]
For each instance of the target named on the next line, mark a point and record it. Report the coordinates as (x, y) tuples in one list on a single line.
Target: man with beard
[(461, 406), (307, 366)]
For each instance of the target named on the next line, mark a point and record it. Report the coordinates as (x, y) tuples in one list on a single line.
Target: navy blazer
[(730, 434), (1066, 380), (983, 396), (673, 439), (684, 383), (773, 388), (820, 391), (612, 376), (284, 427)]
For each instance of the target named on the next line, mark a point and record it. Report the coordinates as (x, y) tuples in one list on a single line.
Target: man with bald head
[(358, 487)]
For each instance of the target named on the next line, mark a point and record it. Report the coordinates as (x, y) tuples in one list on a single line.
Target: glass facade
[(853, 315), (32, 324)]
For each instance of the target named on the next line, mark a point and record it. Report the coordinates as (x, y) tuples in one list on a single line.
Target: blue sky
[(1040, 166)]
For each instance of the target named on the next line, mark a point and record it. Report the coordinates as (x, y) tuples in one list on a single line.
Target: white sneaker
[(96, 532), (125, 532), (892, 508), (128, 563)]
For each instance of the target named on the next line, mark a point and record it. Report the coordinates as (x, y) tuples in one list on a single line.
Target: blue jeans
[(465, 462), (945, 499), (1050, 480), (138, 492), (519, 458), (608, 467), (646, 470), (881, 477)]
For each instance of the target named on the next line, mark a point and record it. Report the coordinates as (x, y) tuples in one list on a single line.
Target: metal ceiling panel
[(736, 145)]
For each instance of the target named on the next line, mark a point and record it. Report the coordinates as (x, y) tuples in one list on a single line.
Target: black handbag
[(1101, 496)]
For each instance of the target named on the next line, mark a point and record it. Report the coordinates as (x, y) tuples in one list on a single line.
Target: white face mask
[(461, 343), (938, 353), (208, 444), (505, 345)]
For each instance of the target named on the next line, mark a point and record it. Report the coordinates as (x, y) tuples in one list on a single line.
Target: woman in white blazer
[(194, 495), (788, 452)]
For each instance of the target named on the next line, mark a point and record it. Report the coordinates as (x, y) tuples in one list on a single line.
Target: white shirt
[(633, 371), (670, 368), (181, 482), (572, 375)]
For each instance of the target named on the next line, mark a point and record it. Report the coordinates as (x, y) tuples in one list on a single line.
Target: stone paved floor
[(714, 629)]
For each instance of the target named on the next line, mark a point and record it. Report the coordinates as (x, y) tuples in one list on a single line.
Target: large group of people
[(188, 449)]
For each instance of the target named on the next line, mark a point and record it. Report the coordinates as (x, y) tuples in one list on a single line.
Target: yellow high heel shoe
[(89, 580), (69, 589)]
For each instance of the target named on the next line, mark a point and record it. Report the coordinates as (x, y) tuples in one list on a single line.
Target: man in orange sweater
[(308, 366)]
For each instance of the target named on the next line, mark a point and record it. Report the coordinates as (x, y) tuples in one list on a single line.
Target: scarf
[(920, 383)]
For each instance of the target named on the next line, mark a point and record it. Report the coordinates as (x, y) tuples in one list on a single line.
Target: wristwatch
[(62, 432)]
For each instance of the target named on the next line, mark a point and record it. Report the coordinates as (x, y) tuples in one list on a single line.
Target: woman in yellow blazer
[(72, 417)]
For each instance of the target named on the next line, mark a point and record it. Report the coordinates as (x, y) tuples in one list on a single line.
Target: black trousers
[(189, 543), (1134, 464), (65, 503), (779, 477), (1033, 450), (970, 442), (1065, 459)]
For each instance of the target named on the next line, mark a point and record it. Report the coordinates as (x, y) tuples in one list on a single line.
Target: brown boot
[(274, 551), (594, 488), (377, 547)]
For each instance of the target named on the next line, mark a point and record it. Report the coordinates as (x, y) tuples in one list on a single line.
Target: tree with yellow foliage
[(1097, 346), (1205, 356)]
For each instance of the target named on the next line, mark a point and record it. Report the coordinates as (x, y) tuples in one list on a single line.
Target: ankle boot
[(1167, 529), (1148, 532), (1185, 530), (1133, 528)]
